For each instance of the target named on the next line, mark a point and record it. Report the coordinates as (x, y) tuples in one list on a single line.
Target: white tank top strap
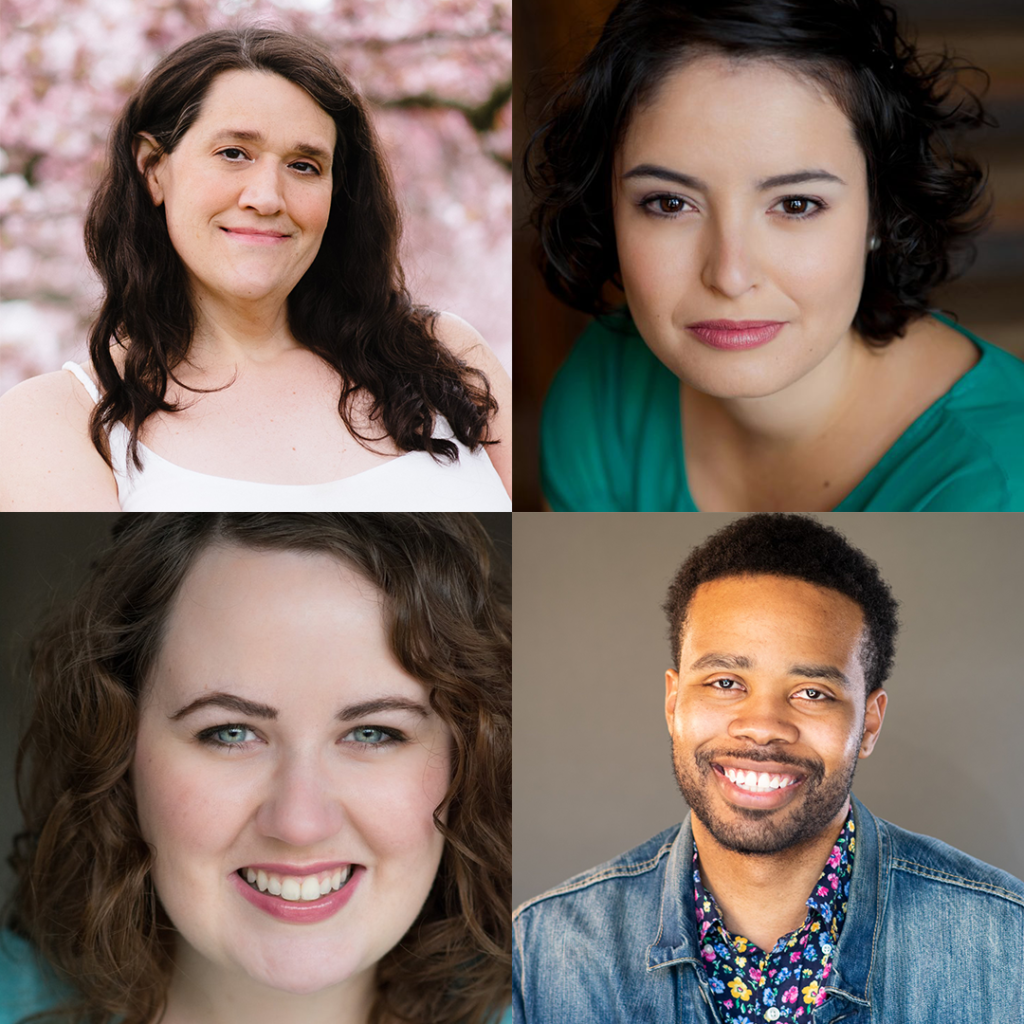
[(117, 436), (84, 378)]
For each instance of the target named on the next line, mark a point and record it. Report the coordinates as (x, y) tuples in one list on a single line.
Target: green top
[(611, 437), (26, 986)]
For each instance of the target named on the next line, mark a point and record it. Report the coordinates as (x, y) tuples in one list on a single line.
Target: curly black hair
[(925, 202), (799, 547)]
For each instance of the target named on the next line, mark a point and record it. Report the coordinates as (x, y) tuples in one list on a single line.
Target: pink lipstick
[(299, 911), (735, 335)]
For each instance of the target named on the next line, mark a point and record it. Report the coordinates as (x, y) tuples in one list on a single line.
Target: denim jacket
[(932, 936)]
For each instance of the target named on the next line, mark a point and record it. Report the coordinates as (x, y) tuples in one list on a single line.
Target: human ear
[(873, 715), (142, 148), (671, 692)]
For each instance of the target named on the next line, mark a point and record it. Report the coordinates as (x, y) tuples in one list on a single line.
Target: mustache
[(815, 769)]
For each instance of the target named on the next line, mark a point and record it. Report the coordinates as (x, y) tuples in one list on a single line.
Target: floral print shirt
[(749, 985)]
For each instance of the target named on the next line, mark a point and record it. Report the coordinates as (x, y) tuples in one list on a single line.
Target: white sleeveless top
[(412, 482)]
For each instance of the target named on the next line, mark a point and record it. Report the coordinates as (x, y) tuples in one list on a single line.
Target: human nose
[(729, 259), (763, 719), (300, 806), (262, 189)]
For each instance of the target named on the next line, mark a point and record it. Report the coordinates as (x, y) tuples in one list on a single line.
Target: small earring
[(874, 243)]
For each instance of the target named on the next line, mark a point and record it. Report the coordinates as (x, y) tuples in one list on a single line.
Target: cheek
[(311, 210), (178, 807), (394, 811)]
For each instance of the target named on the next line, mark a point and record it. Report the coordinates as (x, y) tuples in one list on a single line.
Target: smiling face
[(348, 772), (702, 233), (771, 682), (247, 190)]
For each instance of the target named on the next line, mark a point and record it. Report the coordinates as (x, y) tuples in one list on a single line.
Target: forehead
[(733, 121), (766, 615), (265, 102)]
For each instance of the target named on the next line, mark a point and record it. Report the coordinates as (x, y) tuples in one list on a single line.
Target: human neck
[(208, 996), (763, 897), (798, 414), (239, 333)]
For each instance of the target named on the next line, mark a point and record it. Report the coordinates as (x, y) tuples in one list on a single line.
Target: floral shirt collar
[(749, 985)]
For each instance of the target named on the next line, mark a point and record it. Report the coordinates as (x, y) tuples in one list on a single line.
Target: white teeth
[(758, 782), (296, 889)]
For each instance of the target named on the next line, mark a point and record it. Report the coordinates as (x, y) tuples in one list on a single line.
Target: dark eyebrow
[(255, 710), (688, 181), (829, 672), (245, 135), (717, 659)]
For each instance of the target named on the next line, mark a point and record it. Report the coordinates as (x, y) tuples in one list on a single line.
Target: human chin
[(801, 816)]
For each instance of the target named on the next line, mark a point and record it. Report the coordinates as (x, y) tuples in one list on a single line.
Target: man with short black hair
[(780, 897)]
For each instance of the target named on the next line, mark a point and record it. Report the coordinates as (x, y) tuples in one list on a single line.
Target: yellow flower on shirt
[(739, 990), (810, 993)]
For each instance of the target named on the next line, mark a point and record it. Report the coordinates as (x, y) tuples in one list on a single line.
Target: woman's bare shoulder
[(470, 346), (50, 464)]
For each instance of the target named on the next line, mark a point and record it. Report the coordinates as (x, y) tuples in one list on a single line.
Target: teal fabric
[(25, 987), (611, 437)]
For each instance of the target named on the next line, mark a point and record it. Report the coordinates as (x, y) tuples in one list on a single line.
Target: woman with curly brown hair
[(769, 183), (266, 779), (256, 348)]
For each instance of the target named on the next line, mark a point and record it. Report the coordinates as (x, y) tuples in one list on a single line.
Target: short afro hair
[(798, 547), (926, 204)]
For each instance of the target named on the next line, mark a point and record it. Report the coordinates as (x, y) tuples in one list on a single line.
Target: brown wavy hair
[(351, 307), (84, 895)]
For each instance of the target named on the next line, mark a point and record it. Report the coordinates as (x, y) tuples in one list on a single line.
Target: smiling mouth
[(295, 889), (254, 234)]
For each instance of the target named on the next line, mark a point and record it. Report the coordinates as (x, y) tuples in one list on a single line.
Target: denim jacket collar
[(676, 940)]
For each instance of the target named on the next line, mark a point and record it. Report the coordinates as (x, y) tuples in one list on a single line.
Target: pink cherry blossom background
[(437, 73)]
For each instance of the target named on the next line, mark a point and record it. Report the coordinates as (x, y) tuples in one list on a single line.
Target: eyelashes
[(366, 737), (312, 172), (734, 686), (668, 206)]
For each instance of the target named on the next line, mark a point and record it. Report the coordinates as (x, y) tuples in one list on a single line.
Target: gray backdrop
[(42, 559), (593, 773)]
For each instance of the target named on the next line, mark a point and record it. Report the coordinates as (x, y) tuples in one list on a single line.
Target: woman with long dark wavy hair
[(267, 779), (770, 185), (256, 348)]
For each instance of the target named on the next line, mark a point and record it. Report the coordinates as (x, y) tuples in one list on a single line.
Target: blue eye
[(375, 736), (209, 736), (367, 737)]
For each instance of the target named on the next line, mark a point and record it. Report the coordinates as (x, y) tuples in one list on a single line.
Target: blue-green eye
[(374, 736), (211, 736)]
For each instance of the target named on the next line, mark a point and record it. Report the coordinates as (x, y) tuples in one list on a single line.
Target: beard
[(754, 831)]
